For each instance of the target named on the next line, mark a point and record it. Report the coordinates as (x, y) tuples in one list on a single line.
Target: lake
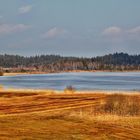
[(80, 81)]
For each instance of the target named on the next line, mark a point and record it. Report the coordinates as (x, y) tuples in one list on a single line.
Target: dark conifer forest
[(56, 63)]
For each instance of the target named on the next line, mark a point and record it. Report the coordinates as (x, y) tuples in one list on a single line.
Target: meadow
[(69, 115)]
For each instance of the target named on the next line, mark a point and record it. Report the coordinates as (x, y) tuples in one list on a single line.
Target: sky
[(84, 28)]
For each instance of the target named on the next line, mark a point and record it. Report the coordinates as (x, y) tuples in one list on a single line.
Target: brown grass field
[(46, 115)]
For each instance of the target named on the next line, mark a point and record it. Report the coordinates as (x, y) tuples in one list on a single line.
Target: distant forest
[(56, 63)]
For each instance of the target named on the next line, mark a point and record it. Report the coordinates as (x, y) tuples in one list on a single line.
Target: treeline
[(56, 63)]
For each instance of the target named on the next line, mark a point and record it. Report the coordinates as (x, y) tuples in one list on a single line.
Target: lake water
[(81, 81)]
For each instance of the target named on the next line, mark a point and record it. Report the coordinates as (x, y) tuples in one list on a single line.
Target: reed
[(122, 105)]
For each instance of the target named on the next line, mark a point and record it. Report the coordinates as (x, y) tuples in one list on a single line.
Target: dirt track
[(36, 102), (17, 116)]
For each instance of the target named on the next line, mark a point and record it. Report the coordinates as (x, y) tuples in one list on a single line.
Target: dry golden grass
[(119, 104), (34, 115)]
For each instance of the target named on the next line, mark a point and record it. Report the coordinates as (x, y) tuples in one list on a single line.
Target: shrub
[(69, 89)]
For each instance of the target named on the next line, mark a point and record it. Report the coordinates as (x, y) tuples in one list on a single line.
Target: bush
[(69, 89)]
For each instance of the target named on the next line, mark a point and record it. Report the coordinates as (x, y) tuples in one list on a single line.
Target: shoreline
[(61, 92), (74, 71)]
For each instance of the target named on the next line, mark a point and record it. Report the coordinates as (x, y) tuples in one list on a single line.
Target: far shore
[(78, 71)]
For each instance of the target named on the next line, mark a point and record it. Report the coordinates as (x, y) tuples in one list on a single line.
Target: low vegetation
[(69, 89), (123, 105), (43, 115)]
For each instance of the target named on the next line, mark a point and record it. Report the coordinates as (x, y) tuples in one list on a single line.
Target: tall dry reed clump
[(124, 105), (69, 89)]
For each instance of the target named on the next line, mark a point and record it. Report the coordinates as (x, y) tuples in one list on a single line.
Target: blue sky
[(69, 27)]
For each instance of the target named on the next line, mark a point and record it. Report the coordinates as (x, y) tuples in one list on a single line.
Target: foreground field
[(52, 116)]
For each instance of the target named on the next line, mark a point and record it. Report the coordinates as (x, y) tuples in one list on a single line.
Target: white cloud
[(111, 31), (9, 28), (25, 9), (1, 16), (53, 33), (117, 34), (135, 30)]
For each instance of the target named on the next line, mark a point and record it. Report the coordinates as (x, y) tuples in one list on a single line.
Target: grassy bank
[(65, 116)]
